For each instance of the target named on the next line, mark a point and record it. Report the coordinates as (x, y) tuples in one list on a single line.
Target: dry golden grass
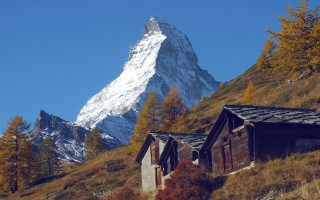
[(272, 90), (310, 191), (274, 179), (299, 176), (82, 180)]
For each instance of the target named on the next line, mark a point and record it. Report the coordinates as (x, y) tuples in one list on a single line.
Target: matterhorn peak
[(162, 59), (154, 25)]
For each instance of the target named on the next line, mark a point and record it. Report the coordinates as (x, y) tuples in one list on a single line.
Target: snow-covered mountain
[(68, 137), (162, 59)]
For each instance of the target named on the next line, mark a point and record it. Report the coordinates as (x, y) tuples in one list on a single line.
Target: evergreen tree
[(31, 168), (249, 94), (48, 157), (94, 144), (221, 85), (172, 110), (182, 123), (12, 160), (315, 33), (148, 120), (298, 40), (264, 60)]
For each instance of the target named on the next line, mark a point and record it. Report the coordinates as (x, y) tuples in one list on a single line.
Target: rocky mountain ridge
[(68, 137), (162, 59)]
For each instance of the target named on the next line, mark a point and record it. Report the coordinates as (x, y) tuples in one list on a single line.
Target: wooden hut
[(243, 134), (161, 153)]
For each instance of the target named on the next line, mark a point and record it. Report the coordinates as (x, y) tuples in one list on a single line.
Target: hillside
[(88, 180), (272, 90), (117, 168), (295, 177)]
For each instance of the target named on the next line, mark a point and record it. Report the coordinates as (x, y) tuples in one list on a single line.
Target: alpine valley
[(162, 59)]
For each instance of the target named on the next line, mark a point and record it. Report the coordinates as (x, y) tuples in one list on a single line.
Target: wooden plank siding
[(184, 152), (231, 151), (278, 141), (243, 134)]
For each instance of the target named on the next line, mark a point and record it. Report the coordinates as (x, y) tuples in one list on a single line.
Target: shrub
[(115, 165), (189, 181)]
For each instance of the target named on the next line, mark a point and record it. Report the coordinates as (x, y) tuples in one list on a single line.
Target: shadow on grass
[(49, 178)]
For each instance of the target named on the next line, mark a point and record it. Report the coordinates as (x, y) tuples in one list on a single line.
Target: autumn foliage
[(297, 43), (249, 94), (189, 181), (265, 58), (94, 144), (148, 120), (173, 113), (16, 156)]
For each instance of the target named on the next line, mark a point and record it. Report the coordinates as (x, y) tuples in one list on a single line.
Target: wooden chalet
[(243, 134), (162, 151)]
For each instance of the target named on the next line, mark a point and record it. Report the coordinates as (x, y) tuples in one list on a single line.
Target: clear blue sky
[(55, 55)]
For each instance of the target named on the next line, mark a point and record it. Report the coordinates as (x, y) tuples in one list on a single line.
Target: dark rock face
[(68, 137), (162, 59)]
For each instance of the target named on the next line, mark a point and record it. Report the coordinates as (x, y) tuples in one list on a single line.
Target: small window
[(195, 155), (154, 153), (239, 133)]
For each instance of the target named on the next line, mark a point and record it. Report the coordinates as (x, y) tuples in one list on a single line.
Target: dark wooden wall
[(279, 140), (184, 152), (179, 152), (231, 151)]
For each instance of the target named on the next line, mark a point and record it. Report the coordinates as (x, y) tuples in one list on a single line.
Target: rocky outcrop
[(162, 59), (68, 137)]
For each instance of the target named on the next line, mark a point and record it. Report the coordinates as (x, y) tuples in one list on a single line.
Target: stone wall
[(148, 171)]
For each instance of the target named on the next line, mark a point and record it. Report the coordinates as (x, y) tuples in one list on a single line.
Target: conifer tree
[(12, 147), (315, 33), (249, 94), (182, 123), (31, 168), (221, 85), (48, 157), (148, 120), (264, 60), (172, 110), (297, 42), (94, 144)]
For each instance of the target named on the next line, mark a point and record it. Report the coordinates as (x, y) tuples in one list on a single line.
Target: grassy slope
[(272, 91), (295, 177), (82, 180)]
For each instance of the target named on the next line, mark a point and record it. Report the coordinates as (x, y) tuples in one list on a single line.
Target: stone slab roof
[(163, 136), (194, 140), (260, 114)]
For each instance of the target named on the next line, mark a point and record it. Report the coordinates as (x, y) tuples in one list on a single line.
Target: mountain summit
[(68, 137), (162, 59)]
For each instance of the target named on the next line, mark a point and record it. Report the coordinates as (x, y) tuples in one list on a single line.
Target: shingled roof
[(163, 136), (258, 114), (193, 140)]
